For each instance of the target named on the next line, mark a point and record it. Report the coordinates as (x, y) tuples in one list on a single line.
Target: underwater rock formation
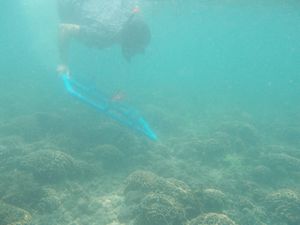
[(143, 181), (24, 192), (247, 212), (213, 200), (160, 209), (49, 201), (146, 182), (11, 215), (151, 195), (284, 206), (50, 165), (20, 189), (211, 219)]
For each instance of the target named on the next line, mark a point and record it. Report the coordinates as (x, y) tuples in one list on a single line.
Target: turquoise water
[(220, 86)]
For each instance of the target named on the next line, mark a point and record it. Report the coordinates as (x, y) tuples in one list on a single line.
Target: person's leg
[(66, 33), (68, 29)]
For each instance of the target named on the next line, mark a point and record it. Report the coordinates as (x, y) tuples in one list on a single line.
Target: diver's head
[(135, 37)]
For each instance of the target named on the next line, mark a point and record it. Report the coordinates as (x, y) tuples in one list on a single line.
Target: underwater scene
[(150, 112)]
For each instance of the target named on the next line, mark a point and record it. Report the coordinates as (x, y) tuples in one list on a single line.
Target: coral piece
[(144, 181), (49, 201), (213, 200), (284, 205), (140, 185), (160, 209), (12, 215), (20, 189), (50, 165), (247, 212)]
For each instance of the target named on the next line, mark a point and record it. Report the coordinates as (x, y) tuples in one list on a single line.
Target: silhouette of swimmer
[(101, 24)]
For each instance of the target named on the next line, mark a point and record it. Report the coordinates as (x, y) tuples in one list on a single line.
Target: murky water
[(218, 84)]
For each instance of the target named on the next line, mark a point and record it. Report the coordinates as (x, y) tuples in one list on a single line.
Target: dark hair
[(135, 37)]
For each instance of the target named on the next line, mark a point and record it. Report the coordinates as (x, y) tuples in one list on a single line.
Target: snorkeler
[(101, 24)]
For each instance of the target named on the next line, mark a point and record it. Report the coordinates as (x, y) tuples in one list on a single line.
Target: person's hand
[(63, 69)]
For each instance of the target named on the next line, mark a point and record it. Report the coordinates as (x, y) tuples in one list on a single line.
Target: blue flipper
[(115, 110)]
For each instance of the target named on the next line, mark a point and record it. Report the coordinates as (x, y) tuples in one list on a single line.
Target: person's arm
[(66, 32)]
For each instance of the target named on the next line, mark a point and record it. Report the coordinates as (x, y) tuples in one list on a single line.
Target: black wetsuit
[(101, 21)]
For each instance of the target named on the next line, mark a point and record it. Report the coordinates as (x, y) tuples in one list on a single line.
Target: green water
[(219, 84)]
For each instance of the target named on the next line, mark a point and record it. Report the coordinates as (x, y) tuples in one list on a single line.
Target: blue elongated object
[(117, 111)]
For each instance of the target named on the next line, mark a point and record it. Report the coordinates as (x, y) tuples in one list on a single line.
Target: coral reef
[(49, 201), (231, 168), (20, 189), (148, 191), (160, 209), (211, 219), (284, 206), (212, 200), (143, 181), (247, 212), (50, 165), (146, 182), (11, 215)]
